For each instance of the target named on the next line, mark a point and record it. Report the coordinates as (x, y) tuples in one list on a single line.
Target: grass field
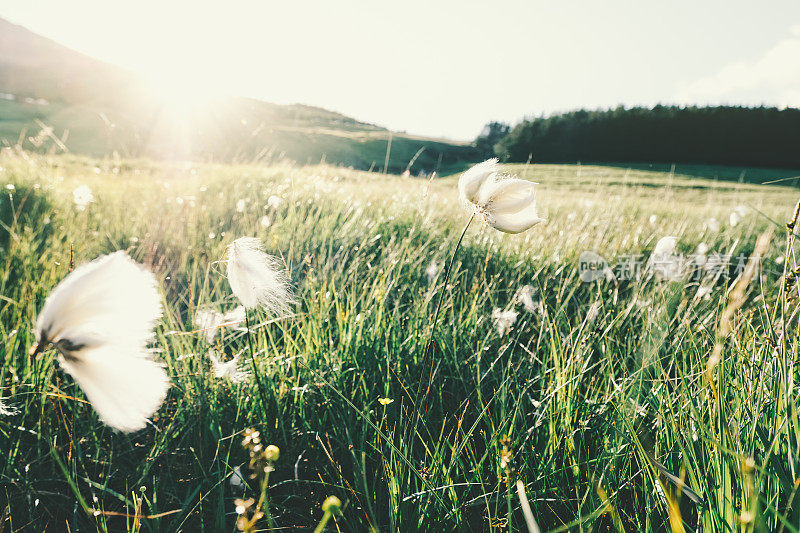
[(592, 396)]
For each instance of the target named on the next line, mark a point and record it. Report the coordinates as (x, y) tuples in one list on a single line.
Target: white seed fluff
[(82, 196), (258, 279), (507, 204), (101, 319), (503, 320), (228, 369), (208, 320)]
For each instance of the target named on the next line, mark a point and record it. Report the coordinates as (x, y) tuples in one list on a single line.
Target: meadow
[(638, 404)]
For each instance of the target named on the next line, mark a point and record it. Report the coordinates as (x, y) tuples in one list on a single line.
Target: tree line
[(721, 135)]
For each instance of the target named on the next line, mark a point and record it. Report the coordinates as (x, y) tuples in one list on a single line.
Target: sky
[(443, 68)]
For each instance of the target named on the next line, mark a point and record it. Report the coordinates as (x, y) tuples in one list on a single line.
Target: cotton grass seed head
[(664, 260), (101, 318), (524, 297), (431, 271), (208, 320), (503, 320), (507, 204), (665, 246), (258, 279), (82, 196), (228, 370), (470, 182)]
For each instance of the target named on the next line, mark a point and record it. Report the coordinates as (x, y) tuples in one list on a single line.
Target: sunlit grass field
[(590, 398)]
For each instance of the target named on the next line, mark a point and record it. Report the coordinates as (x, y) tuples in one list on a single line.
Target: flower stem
[(444, 286), (324, 522), (256, 373), (263, 501), (429, 343)]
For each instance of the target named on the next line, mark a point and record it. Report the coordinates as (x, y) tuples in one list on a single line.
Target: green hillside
[(55, 99)]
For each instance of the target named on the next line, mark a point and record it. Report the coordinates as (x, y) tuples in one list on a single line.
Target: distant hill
[(50, 94), (723, 135)]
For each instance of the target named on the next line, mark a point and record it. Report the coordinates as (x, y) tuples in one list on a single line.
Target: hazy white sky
[(444, 68)]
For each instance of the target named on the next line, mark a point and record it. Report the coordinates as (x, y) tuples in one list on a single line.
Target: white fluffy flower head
[(208, 320), (228, 370), (431, 271), (503, 320), (470, 182), (507, 204), (664, 259), (524, 296), (101, 318), (258, 279), (665, 246), (82, 196)]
